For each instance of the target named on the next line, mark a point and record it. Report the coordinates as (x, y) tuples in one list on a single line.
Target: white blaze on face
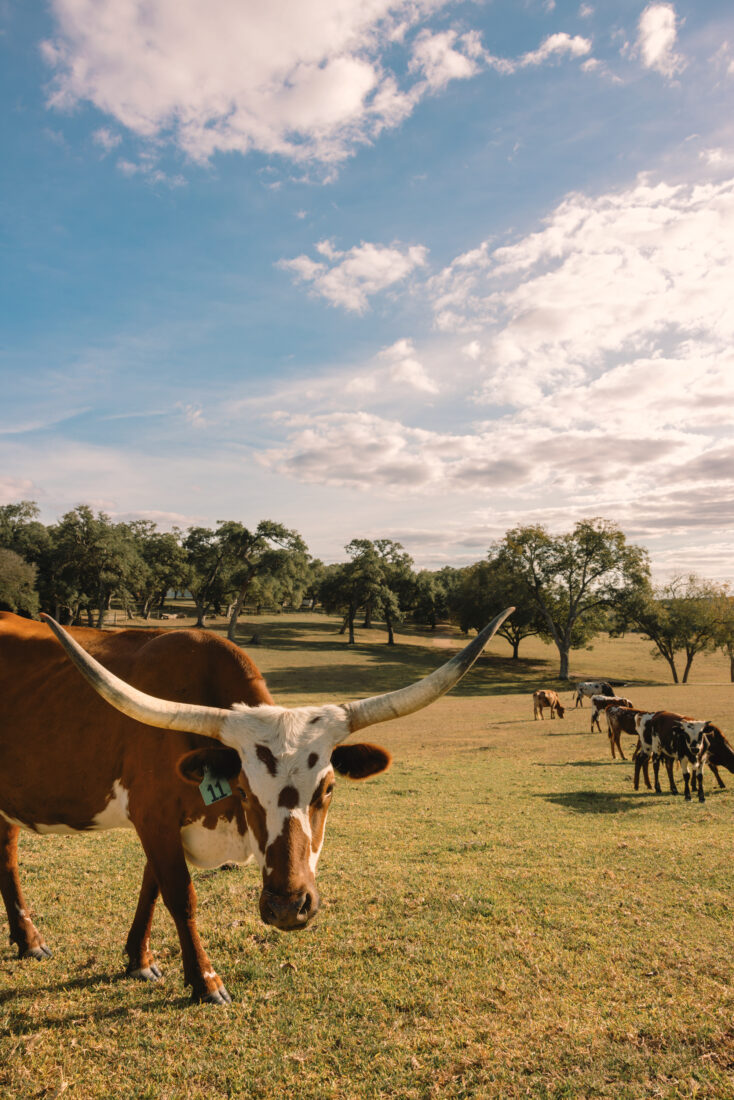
[(286, 759)]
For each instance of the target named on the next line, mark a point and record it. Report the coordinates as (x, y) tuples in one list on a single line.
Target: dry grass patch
[(503, 916)]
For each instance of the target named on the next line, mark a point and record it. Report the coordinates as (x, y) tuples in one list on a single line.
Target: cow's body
[(670, 737), (173, 719), (599, 703), (70, 763), (546, 698), (587, 688)]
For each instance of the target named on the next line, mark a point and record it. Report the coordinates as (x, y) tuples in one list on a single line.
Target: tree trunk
[(516, 649), (563, 650), (388, 625), (345, 624), (201, 609), (232, 626), (687, 669), (101, 609), (351, 616), (673, 669)]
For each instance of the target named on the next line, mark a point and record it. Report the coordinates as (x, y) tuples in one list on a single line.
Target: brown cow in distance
[(546, 698), (174, 734)]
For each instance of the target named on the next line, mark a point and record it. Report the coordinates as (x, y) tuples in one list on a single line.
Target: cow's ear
[(224, 763), (360, 761)]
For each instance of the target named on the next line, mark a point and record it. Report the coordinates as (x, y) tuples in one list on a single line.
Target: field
[(502, 914)]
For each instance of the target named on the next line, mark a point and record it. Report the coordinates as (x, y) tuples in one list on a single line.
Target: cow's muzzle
[(290, 913)]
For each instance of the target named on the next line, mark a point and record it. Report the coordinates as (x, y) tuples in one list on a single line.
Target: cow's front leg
[(141, 964), (168, 867), (686, 779), (669, 770), (656, 773), (698, 774), (23, 931)]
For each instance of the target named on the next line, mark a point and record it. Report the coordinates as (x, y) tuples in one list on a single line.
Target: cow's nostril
[(305, 907)]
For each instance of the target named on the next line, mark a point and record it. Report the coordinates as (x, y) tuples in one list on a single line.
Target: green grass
[(502, 915)]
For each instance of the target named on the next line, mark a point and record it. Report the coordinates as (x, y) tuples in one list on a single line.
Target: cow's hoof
[(688, 798), (218, 997), (40, 952), (701, 798), (145, 973)]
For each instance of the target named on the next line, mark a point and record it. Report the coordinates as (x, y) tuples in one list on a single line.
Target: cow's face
[(282, 764)]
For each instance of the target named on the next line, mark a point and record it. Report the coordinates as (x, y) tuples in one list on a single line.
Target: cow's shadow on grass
[(597, 802)]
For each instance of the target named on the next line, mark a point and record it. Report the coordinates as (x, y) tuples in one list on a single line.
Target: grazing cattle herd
[(660, 735)]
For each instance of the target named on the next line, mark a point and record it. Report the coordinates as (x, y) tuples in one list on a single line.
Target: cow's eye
[(242, 794), (328, 790)]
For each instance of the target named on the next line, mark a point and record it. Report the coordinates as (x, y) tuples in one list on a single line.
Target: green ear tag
[(214, 787)]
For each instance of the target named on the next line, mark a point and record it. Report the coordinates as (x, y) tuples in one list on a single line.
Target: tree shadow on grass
[(597, 802)]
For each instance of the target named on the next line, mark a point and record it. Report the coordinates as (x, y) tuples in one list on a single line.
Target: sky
[(406, 269)]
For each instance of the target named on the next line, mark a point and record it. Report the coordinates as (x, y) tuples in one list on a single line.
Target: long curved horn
[(149, 710), (395, 704)]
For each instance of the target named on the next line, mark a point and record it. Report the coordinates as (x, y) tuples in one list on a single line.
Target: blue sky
[(373, 268)]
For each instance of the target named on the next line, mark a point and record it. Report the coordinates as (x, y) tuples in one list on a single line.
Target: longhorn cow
[(194, 756)]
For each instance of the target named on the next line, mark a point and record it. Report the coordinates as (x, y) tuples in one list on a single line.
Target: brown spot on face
[(264, 754), (288, 797), (256, 819), (313, 759)]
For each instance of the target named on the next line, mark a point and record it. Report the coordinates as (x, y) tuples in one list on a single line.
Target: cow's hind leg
[(141, 964), (168, 868), (23, 932), (717, 777)]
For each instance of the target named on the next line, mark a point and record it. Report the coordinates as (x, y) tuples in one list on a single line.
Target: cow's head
[(715, 748), (560, 710), (281, 761)]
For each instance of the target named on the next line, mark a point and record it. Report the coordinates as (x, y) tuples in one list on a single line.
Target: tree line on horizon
[(566, 588)]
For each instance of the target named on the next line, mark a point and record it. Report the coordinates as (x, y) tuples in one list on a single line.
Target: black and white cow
[(587, 688), (670, 737)]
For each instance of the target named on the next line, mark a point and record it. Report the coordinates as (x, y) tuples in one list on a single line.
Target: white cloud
[(303, 78), (309, 80), (436, 56), (656, 38), (606, 335), (556, 45), (606, 279), (349, 279)]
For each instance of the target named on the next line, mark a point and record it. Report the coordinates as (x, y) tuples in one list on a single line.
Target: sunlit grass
[(502, 916)]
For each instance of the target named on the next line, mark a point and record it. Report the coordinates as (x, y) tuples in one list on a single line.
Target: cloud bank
[(308, 80)]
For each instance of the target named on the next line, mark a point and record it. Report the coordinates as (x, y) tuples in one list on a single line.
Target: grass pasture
[(502, 915)]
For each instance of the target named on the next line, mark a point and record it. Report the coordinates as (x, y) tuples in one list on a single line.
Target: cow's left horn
[(395, 704), (149, 710)]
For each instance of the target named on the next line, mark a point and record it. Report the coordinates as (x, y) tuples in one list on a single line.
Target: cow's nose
[(288, 913)]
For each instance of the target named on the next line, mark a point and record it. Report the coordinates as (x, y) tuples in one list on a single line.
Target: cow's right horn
[(395, 704), (163, 713)]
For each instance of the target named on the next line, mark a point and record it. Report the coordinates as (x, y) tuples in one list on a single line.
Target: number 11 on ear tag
[(214, 787)]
